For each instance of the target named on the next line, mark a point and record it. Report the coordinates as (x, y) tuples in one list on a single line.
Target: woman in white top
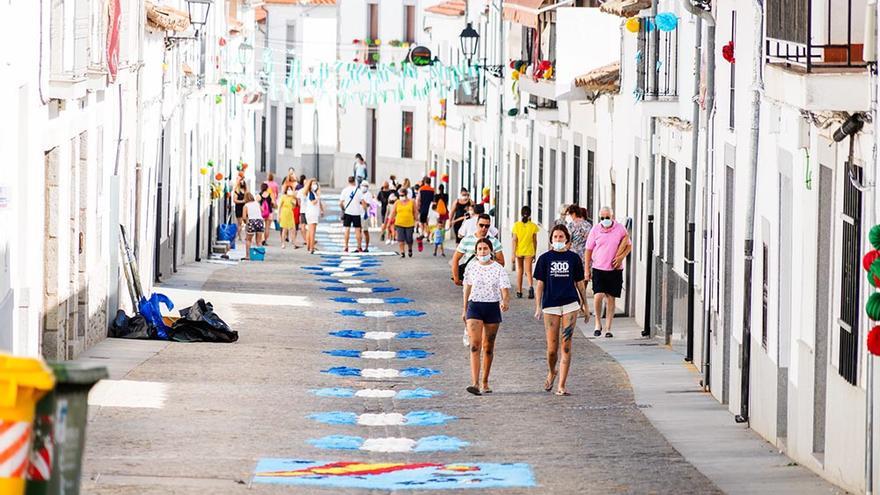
[(312, 208), (486, 295), (253, 219)]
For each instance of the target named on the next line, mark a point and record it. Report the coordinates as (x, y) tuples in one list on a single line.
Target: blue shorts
[(487, 312)]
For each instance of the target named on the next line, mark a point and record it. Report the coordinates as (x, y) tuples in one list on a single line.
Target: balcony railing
[(657, 62), (470, 92), (814, 33), (538, 103)]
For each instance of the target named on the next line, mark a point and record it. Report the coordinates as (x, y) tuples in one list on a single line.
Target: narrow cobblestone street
[(223, 412)]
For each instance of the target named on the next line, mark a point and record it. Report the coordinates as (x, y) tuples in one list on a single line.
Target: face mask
[(568, 219), (364, 189), (483, 259), (558, 246), (606, 223), (290, 192), (314, 187)]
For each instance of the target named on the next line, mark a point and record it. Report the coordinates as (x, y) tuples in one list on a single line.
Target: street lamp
[(198, 13), (244, 51), (469, 39)]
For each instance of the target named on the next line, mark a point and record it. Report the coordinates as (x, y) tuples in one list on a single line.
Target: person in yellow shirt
[(525, 241), (404, 214)]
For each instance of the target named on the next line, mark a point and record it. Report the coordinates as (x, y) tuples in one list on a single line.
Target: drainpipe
[(749, 241), (870, 56), (709, 136), (702, 16), (695, 152)]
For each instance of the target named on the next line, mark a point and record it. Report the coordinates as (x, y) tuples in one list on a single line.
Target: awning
[(166, 18), (625, 8), (604, 79), (453, 8), (235, 26), (526, 12)]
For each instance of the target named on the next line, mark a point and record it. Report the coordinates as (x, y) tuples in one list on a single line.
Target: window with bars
[(540, 184), (591, 173), (576, 173), (406, 139), (288, 128), (850, 278)]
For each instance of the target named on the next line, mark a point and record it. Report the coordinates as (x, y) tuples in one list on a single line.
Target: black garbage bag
[(199, 323), (134, 327)]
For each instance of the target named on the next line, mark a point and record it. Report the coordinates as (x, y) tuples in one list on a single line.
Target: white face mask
[(314, 187), (568, 219), (364, 189), (558, 246), (606, 223), (289, 192), (483, 259)]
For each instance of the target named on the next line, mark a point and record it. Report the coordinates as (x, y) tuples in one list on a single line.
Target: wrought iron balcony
[(814, 33), (656, 62)]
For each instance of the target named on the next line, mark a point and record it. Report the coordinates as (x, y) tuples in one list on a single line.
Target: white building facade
[(82, 162)]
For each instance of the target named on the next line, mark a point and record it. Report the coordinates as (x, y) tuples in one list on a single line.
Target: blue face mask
[(606, 223), (559, 246), (483, 259)]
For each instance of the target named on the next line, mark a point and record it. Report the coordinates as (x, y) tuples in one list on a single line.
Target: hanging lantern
[(872, 307), (219, 176), (632, 24), (222, 41), (444, 178), (432, 174)]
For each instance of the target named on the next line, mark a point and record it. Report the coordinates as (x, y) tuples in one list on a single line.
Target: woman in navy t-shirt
[(560, 294)]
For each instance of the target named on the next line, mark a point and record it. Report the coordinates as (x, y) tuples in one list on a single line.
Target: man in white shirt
[(469, 226), (351, 201), (368, 198)]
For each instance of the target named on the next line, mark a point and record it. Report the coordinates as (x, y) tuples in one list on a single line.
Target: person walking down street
[(442, 200), (289, 179), (459, 212), (286, 217), (267, 208), (239, 200), (253, 217), (435, 229), (382, 197), (579, 227), (368, 200), (525, 242), (360, 169), (469, 226), (561, 213), (561, 293), (607, 246), (486, 296), (351, 201), (466, 252), (426, 198), (313, 209), (273, 192), (388, 226), (404, 213)]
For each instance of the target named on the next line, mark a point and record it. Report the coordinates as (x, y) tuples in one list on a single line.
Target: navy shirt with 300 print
[(559, 272)]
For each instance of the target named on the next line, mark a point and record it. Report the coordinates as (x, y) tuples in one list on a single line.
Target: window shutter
[(81, 25)]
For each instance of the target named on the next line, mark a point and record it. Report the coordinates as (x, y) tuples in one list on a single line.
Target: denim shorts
[(487, 312)]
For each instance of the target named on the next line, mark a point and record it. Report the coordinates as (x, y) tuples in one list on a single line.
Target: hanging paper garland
[(444, 178), (222, 41), (203, 170), (432, 174), (666, 21), (219, 176), (727, 52), (632, 24), (210, 163)]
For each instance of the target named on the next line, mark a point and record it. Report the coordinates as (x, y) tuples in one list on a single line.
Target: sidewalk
[(667, 390)]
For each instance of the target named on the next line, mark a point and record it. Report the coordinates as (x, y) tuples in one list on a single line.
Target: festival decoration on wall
[(727, 52), (666, 21), (632, 24), (871, 264)]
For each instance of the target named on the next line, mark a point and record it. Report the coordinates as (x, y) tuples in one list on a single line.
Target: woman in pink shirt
[(607, 246)]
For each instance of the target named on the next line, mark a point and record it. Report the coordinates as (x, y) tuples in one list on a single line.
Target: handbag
[(463, 266)]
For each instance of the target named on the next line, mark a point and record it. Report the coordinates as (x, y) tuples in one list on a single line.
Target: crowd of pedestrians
[(579, 254)]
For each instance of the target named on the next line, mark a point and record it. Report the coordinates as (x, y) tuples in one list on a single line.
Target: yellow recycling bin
[(23, 381)]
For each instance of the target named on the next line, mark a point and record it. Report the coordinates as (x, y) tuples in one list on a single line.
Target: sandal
[(474, 390), (486, 390), (548, 383), (562, 393)]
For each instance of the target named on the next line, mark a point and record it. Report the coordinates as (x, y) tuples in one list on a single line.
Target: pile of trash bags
[(197, 323)]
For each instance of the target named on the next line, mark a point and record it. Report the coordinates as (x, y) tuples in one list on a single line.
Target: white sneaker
[(465, 340), (387, 242)]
